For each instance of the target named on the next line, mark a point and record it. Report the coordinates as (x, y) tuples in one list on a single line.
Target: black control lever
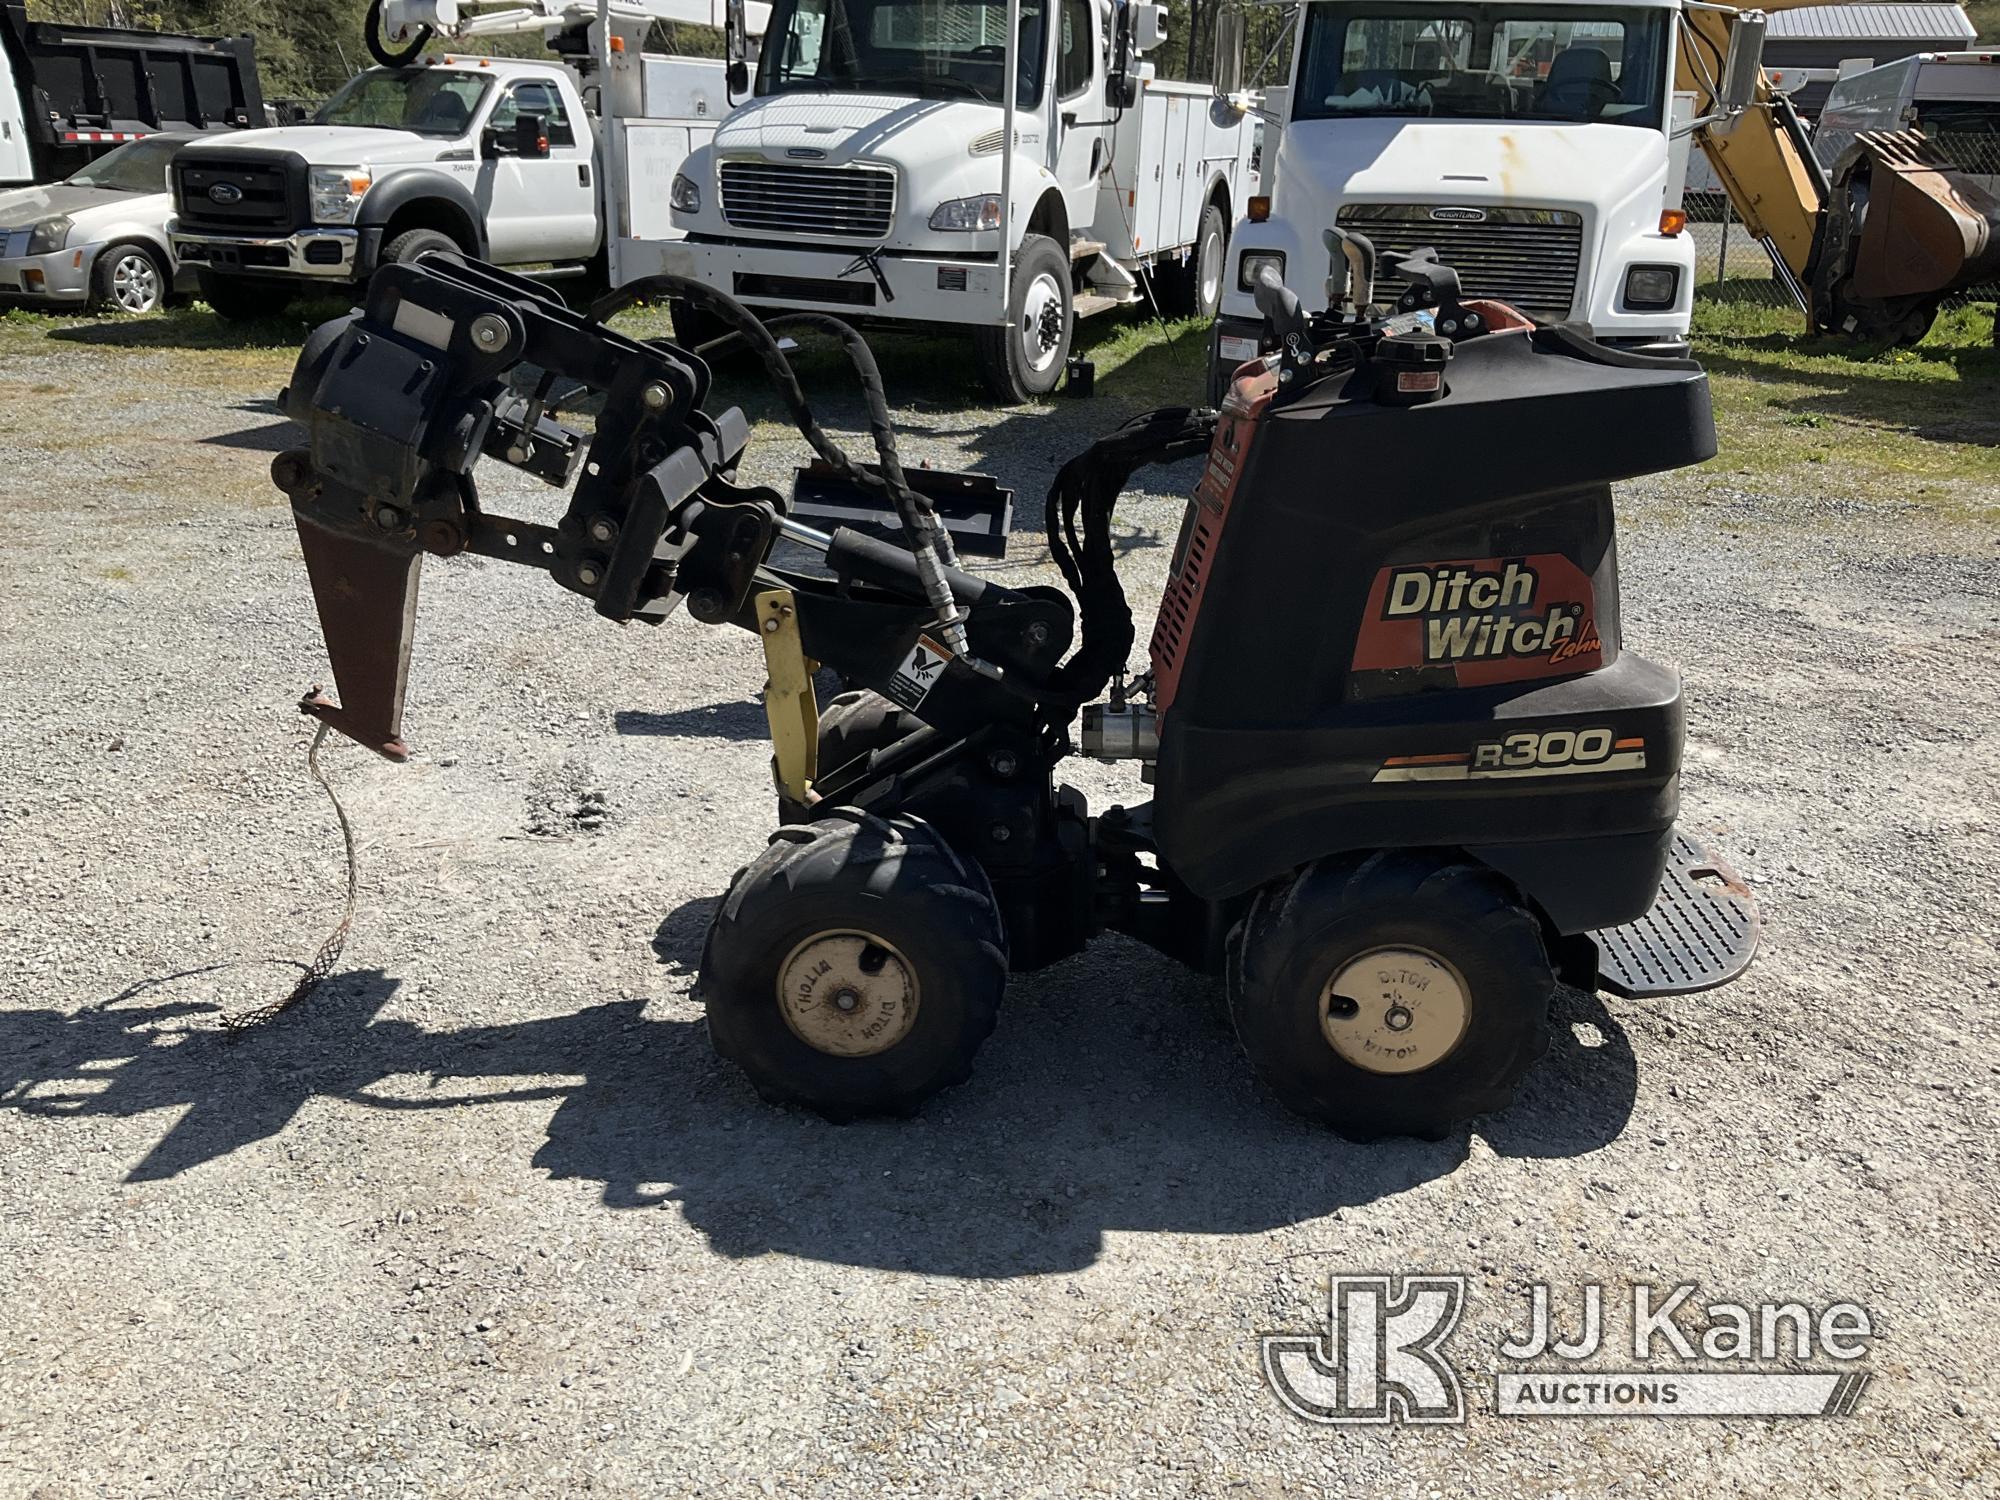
[(1350, 272), (1284, 314), (1434, 285)]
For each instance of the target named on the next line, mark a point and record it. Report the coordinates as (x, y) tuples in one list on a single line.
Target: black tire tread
[(955, 895), (993, 349), (1479, 902), (101, 295), (395, 252)]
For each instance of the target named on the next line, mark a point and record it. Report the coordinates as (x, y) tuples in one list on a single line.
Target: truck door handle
[(583, 174)]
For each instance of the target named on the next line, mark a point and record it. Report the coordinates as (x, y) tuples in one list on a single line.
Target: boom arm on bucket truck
[(400, 29)]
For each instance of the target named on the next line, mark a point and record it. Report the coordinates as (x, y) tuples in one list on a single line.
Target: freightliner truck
[(1541, 147), (871, 177)]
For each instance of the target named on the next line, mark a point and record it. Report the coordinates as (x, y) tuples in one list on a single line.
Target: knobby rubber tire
[(1301, 931), (897, 879)]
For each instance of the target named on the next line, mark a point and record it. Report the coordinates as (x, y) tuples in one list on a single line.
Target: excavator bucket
[(1928, 227), (1904, 228)]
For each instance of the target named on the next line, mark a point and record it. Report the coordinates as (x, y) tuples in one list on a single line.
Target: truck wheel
[(1026, 358), (853, 724), (855, 966), (1195, 290), (411, 243), (239, 299), (128, 278), (1394, 993)]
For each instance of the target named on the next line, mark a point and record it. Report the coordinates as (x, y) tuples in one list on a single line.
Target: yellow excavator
[(1873, 245)]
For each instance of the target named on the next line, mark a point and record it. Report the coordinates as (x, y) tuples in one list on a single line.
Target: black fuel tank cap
[(1409, 367)]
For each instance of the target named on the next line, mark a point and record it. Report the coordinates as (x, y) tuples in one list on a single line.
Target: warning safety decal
[(918, 673)]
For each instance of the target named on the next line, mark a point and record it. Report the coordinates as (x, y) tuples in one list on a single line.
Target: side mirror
[(736, 47), (531, 138), (1121, 80), (1227, 71), (1744, 63)]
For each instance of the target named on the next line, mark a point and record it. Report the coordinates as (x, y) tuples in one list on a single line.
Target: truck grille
[(267, 203), (853, 202), (1526, 257)]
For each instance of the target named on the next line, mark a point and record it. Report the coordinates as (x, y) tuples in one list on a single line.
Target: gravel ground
[(489, 1217)]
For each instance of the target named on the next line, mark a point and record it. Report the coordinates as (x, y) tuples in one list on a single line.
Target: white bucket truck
[(868, 177), (1538, 145)]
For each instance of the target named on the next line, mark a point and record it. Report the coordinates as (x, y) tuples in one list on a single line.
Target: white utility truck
[(495, 157), (1538, 145), (869, 177)]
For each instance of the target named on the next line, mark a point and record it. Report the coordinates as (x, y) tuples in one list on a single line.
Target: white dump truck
[(869, 176), (1541, 148)]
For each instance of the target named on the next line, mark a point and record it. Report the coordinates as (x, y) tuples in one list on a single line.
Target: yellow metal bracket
[(788, 695)]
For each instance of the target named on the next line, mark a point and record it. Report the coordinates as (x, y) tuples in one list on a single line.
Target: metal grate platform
[(1701, 932)]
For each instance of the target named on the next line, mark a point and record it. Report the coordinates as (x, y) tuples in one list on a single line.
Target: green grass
[(1869, 420), (1816, 415)]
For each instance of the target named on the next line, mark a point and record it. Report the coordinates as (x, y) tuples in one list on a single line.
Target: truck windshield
[(1484, 62), (942, 49), (138, 168), (425, 101)]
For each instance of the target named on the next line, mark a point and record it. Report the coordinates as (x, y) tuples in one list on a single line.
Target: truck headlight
[(1652, 286), (49, 236), (964, 214), (337, 193), (1252, 265), (684, 197)]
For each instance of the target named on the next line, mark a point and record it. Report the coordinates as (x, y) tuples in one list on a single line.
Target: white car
[(97, 240)]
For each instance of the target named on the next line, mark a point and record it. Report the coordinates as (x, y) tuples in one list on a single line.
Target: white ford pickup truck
[(494, 157)]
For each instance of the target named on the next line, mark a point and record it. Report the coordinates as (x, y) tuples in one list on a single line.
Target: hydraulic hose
[(1084, 493), (929, 542)]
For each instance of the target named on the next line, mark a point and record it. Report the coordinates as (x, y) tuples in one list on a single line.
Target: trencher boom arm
[(402, 398)]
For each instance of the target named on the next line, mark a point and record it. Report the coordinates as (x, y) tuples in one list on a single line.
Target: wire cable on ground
[(322, 966)]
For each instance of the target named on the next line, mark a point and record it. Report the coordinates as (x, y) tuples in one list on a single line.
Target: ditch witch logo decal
[(1380, 1358), (1489, 619)]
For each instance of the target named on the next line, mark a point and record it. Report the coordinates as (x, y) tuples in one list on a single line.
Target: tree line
[(308, 50)]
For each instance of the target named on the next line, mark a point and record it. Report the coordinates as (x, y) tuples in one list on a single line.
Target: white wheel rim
[(135, 282), (1211, 270), (848, 994), (1041, 323), (1395, 1010)]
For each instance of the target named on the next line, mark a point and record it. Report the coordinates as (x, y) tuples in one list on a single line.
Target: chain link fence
[(1732, 266)]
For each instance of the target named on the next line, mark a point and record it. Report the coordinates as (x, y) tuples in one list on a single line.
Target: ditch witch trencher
[(1406, 778)]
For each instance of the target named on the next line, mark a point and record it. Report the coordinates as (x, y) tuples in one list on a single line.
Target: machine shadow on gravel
[(1112, 1098)]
